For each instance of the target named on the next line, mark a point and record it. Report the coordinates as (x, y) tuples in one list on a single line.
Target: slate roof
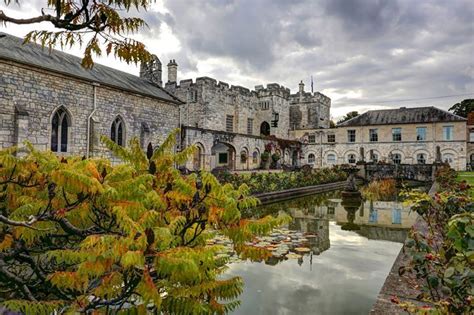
[(12, 48), (402, 115)]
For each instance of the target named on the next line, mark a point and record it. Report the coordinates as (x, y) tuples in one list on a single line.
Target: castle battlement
[(308, 97)]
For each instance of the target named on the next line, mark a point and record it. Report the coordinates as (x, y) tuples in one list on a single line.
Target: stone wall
[(210, 143), (29, 97), (309, 111), (209, 102)]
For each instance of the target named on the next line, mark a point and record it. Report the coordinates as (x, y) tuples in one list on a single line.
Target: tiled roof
[(12, 48), (402, 115)]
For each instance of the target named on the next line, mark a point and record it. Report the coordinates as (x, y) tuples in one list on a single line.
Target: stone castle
[(51, 101)]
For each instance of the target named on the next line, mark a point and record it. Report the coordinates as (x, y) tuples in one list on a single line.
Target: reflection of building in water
[(312, 220), (386, 220)]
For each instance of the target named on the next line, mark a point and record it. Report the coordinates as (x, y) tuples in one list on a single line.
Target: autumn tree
[(98, 25), (81, 235)]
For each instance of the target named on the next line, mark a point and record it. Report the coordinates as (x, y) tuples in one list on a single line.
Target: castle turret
[(301, 87), (172, 71), (151, 70)]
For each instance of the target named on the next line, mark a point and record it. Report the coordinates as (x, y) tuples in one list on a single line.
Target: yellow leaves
[(133, 259), (252, 253), (142, 221), (214, 214), (148, 290), (32, 307), (6, 243), (69, 280), (110, 285), (95, 268), (76, 182)]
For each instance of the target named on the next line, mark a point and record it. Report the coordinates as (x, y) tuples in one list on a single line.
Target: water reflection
[(343, 271)]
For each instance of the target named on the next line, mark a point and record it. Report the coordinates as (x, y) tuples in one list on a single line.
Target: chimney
[(151, 70), (301, 87), (172, 71)]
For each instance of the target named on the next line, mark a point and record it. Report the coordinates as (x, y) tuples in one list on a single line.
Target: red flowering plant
[(442, 253)]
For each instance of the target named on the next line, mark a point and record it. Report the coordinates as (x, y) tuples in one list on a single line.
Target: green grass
[(469, 178)]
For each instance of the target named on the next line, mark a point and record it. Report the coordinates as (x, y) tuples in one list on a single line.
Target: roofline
[(405, 123), (343, 124), (176, 101)]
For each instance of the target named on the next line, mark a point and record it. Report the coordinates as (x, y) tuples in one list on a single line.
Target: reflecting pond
[(343, 271)]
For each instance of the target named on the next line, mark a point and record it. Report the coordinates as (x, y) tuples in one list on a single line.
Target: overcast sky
[(364, 54)]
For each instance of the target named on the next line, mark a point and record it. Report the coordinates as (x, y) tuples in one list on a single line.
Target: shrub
[(267, 182), (442, 256), (82, 236), (382, 190)]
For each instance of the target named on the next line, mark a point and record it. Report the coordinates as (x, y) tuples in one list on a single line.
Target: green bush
[(269, 182), (443, 255)]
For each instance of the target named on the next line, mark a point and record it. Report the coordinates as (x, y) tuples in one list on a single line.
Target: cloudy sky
[(364, 54)]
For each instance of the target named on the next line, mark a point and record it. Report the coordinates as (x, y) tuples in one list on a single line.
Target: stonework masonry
[(29, 97), (47, 98)]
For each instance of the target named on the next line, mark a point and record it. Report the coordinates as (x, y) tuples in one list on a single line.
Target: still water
[(343, 272)]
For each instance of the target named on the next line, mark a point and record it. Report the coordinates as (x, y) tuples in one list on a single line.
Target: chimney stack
[(151, 70), (172, 71)]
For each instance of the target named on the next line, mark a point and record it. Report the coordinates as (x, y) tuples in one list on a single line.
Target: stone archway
[(223, 155), (198, 157), (264, 129)]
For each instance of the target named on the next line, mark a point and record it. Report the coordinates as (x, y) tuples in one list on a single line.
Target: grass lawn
[(469, 178)]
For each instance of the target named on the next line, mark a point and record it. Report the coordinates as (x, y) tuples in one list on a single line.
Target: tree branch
[(17, 281), (37, 19)]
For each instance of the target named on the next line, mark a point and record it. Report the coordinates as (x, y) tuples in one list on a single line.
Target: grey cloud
[(386, 49)]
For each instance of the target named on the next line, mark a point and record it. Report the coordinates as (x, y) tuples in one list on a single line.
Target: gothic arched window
[(311, 158), (59, 130), (117, 131)]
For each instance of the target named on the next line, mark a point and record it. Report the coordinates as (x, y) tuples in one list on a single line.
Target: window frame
[(330, 161), (395, 160), (118, 125), (250, 126), (423, 159), (451, 133), (332, 139), (351, 135), (351, 157), (60, 134), (229, 123), (313, 136), (373, 135), (312, 157), (397, 136), (418, 129)]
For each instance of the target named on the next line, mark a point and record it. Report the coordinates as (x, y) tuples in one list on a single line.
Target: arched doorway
[(294, 158), (198, 157), (223, 156), (244, 159), (265, 129)]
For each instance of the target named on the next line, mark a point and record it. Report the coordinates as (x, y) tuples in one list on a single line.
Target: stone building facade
[(51, 101), (404, 135), (231, 125)]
